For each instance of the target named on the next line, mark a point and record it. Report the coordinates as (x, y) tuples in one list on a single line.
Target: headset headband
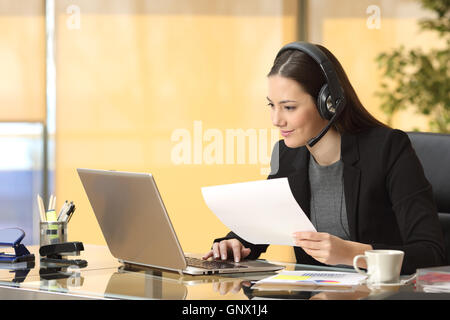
[(336, 92)]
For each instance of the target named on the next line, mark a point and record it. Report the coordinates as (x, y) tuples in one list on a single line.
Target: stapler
[(11, 237), (53, 253)]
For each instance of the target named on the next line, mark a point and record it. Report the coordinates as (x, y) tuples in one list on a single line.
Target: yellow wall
[(22, 61), (349, 30), (360, 63), (130, 75)]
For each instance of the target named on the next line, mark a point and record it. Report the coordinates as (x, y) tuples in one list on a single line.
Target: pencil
[(50, 201), (41, 208)]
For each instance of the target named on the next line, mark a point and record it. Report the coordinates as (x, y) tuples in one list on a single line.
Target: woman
[(361, 184)]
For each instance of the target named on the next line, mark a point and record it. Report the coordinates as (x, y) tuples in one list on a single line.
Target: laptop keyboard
[(207, 264)]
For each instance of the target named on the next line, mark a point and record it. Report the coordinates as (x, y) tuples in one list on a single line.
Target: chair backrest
[(433, 151)]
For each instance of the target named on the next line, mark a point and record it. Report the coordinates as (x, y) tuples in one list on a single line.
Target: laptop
[(137, 227)]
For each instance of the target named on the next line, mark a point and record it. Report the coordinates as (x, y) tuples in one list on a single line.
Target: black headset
[(331, 100)]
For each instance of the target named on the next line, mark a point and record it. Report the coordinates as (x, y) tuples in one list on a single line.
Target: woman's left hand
[(325, 247)]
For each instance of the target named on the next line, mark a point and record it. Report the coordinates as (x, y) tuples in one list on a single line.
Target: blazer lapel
[(299, 181), (352, 175)]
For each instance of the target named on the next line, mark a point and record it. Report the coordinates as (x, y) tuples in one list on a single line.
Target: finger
[(245, 252), (216, 250), (208, 255), (236, 246), (224, 288), (319, 255), (309, 244), (223, 249), (309, 235), (236, 287), (215, 286)]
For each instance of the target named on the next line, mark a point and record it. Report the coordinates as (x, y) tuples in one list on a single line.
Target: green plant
[(418, 79)]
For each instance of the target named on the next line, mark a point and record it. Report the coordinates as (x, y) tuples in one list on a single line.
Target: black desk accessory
[(53, 253), (65, 248)]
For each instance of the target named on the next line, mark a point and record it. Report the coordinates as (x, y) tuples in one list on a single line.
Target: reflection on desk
[(99, 257), (151, 285), (106, 278)]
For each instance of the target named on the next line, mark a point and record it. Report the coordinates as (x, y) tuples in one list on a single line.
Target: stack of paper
[(434, 279), (286, 279)]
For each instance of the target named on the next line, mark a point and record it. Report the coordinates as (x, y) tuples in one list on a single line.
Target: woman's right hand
[(228, 248)]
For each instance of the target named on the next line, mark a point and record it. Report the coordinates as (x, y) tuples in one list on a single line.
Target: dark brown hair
[(299, 66)]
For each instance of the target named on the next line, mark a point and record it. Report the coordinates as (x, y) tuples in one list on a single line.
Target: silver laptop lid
[(133, 218)]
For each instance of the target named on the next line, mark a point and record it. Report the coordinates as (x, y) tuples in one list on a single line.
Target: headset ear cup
[(324, 95)]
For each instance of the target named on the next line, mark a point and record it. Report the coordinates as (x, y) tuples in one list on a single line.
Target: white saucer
[(396, 284), (403, 282)]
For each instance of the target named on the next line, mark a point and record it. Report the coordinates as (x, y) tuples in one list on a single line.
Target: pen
[(67, 212), (64, 213), (71, 213), (63, 209)]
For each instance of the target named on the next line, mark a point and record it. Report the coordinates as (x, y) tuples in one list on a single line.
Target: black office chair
[(433, 150)]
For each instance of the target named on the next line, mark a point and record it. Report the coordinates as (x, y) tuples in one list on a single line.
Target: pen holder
[(53, 232)]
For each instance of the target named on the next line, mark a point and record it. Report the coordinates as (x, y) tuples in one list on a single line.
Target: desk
[(105, 278)]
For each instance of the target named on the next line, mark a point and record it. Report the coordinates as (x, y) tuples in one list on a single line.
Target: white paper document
[(320, 278), (260, 212)]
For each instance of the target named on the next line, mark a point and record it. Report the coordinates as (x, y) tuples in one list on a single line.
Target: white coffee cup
[(383, 266)]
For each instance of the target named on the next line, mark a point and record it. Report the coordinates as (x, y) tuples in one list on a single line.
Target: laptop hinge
[(132, 266)]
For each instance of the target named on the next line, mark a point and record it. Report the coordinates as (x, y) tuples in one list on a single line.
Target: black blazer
[(389, 201)]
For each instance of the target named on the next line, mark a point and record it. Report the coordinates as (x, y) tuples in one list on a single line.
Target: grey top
[(328, 212)]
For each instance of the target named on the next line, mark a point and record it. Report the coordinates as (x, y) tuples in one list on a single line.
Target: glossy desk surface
[(105, 278)]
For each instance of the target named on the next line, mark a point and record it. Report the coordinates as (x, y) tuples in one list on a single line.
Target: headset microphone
[(316, 139)]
